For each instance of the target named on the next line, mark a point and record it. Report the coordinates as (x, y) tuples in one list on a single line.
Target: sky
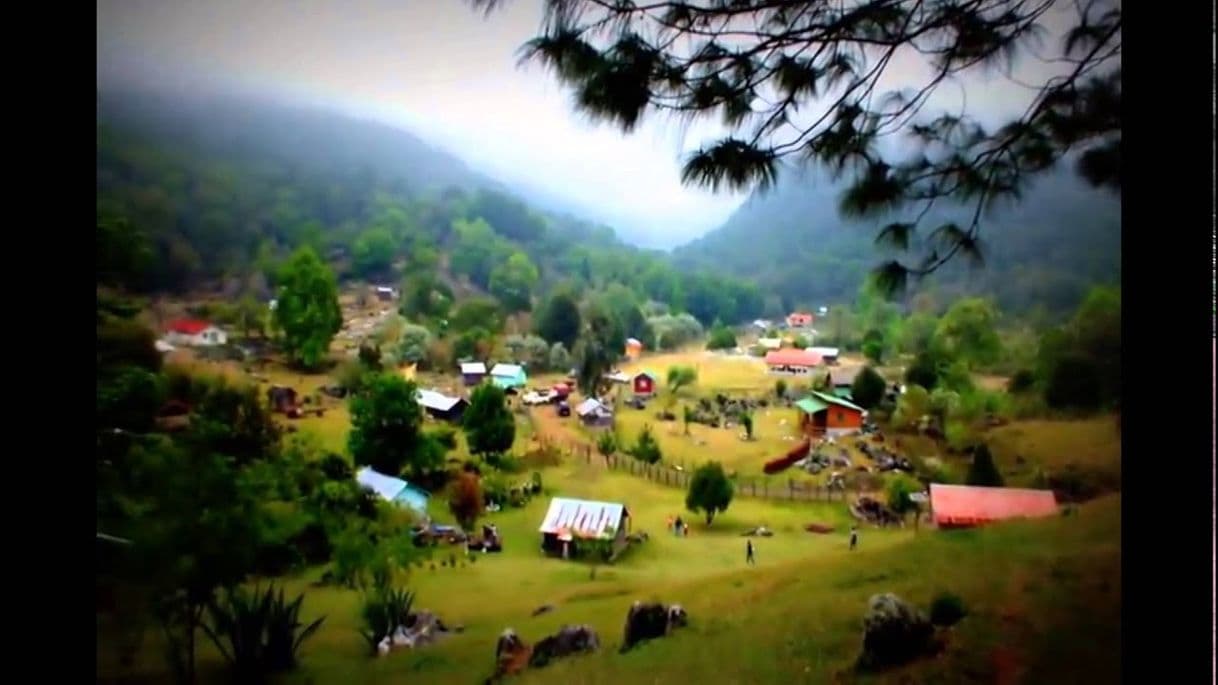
[(442, 71)]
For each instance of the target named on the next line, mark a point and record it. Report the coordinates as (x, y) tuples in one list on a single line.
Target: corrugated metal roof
[(387, 487), (964, 505), (834, 399), (473, 367), (811, 405), (792, 357), (583, 518), (588, 406), (845, 375), (825, 351), (507, 370), (437, 400)]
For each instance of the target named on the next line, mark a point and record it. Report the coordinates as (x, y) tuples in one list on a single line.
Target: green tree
[(967, 332), (425, 296), (252, 317), (372, 253), (307, 311), (899, 491), (606, 443), (477, 312), (513, 282), (680, 377), (721, 338), (489, 426), (558, 319), (598, 349), (386, 428), (746, 420), (924, 371), (414, 342), (780, 388), (868, 388), (713, 61), (124, 253), (710, 491), (912, 405), (474, 343), (982, 470), (559, 359), (646, 449)]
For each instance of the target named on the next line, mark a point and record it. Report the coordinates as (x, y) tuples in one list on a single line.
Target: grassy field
[(1044, 596)]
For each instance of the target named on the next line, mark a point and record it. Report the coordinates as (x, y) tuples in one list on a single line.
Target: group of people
[(678, 527)]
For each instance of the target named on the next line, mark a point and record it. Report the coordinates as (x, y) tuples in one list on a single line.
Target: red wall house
[(644, 384), (821, 414)]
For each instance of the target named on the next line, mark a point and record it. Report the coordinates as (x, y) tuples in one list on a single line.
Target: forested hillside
[(212, 193), (1048, 250)]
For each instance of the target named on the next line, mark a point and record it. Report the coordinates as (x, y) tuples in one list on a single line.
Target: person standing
[(854, 537), (669, 525), (748, 553), (685, 530)]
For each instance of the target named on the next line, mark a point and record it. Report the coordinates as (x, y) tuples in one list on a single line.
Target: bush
[(384, 610), (647, 449), (721, 338), (868, 388), (947, 609), (258, 633), (780, 388), (446, 436), (1021, 382), (504, 462), (352, 375)]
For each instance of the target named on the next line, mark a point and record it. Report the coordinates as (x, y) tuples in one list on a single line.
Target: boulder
[(511, 655), (567, 641), (894, 633), (650, 621)]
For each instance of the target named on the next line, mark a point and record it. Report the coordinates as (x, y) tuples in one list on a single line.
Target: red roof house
[(188, 326), (790, 361), (963, 506), (644, 383), (799, 319)]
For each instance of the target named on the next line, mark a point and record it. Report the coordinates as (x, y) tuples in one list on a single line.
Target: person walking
[(748, 554), (676, 529), (685, 530), (669, 526), (854, 537)]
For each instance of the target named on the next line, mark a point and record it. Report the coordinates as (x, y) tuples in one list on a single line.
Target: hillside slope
[(1062, 238)]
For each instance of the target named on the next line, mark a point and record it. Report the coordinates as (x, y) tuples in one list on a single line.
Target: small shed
[(282, 398), (509, 376), (385, 293), (964, 506), (823, 414), (592, 412), (792, 362), (441, 406), (570, 522), (393, 489), (634, 348), (643, 383), (841, 379), (472, 373)]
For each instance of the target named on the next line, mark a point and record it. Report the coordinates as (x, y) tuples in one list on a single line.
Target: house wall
[(788, 370), (206, 338), (643, 386), (473, 378)]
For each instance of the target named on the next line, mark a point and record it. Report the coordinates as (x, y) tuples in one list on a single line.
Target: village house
[(570, 522), (618, 377), (799, 320), (393, 490), (762, 325), (385, 294), (791, 362), (825, 415), (594, 414), (509, 376), (964, 506), (829, 354), (441, 406), (643, 383), (473, 373), (195, 333)]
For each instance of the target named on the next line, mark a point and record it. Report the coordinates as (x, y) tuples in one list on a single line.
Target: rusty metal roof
[(583, 518)]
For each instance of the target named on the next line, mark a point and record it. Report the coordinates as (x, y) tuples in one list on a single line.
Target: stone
[(567, 641), (894, 633), (650, 621)]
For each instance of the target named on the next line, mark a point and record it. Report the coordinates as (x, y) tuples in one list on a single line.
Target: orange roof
[(969, 505), (792, 357)]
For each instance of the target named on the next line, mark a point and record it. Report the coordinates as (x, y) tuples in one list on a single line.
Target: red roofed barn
[(964, 506), (195, 332), (792, 362)]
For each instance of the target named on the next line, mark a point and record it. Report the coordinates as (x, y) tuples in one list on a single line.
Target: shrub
[(1022, 381), (384, 610), (721, 338), (504, 462), (446, 436), (647, 449), (947, 609), (780, 388), (258, 633), (606, 443), (868, 388), (710, 491)]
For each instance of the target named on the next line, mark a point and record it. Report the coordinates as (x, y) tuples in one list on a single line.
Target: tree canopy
[(813, 81), (558, 319), (489, 426), (307, 311), (710, 491), (386, 429)]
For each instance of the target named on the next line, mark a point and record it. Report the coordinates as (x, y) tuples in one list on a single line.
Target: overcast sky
[(439, 69)]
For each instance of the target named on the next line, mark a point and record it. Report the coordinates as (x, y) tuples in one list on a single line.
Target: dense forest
[(1046, 251), (211, 194)]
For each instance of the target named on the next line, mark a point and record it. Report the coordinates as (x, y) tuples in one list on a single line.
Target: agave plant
[(382, 612), (258, 632)]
